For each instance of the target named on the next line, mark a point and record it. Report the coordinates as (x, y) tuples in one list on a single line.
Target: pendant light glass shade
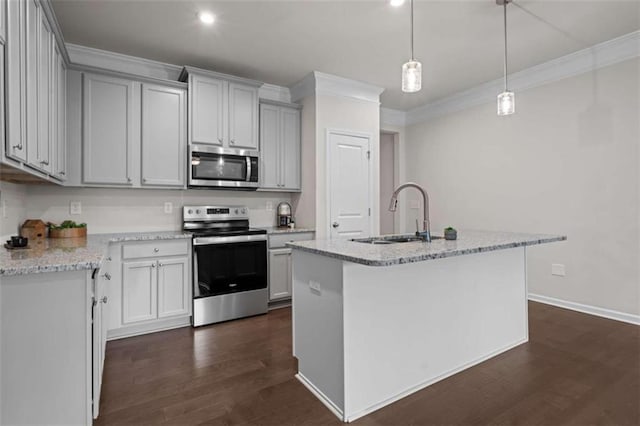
[(411, 76), (506, 103), (506, 99)]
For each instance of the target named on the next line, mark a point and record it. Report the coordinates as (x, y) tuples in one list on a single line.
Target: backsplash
[(130, 210), (12, 208)]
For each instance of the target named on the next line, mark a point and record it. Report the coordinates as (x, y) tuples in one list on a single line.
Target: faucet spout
[(426, 232)]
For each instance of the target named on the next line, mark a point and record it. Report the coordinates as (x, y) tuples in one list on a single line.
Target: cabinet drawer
[(279, 240), (155, 249)]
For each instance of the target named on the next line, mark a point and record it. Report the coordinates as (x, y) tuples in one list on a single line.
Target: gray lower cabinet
[(153, 289), (279, 273), (280, 276), (279, 147), (133, 133), (164, 136)]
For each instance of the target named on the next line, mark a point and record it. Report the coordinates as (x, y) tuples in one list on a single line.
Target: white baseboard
[(149, 327), (321, 396), (587, 309)]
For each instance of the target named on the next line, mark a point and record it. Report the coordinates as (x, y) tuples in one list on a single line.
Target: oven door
[(225, 265), (214, 167)]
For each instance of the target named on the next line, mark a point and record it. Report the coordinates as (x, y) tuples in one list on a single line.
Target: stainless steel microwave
[(214, 167)]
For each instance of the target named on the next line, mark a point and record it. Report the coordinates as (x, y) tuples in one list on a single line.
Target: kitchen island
[(373, 323)]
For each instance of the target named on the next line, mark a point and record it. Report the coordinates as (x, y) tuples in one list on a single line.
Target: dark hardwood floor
[(576, 370)]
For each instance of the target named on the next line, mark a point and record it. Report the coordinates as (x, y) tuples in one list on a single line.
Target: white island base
[(366, 336)]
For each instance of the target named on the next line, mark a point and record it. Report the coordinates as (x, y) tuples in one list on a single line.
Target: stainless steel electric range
[(229, 264)]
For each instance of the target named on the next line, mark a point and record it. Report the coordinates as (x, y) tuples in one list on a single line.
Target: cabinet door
[(243, 116), (279, 273), (164, 136), (32, 31), (139, 291), (3, 21), (290, 148), (173, 287), (207, 110), (97, 345), (45, 98), (16, 82), (270, 146), (107, 129), (59, 116)]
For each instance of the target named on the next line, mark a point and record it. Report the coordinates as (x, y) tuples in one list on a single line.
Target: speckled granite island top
[(278, 230), (468, 242), (71, 254)]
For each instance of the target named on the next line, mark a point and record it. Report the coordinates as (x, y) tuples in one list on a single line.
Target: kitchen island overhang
[(366, 336)]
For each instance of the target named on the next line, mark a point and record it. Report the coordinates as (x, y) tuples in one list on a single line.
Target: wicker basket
[(68, 233)]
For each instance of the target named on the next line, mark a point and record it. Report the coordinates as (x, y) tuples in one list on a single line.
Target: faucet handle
[(417, 227)]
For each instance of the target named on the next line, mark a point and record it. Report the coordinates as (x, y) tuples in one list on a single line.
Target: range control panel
[(214, 213)]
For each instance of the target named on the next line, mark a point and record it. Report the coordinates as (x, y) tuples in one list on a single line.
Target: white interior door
[(349, 186)]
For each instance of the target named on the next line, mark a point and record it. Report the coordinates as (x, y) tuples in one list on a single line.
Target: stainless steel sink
[(393, 239)]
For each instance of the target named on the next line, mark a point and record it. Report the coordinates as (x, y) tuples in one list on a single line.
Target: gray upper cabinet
[(223, 110), (107, 130), (59, 116), (243, 116), (16, 82), (280, 147), (164, 136), (207, 110)]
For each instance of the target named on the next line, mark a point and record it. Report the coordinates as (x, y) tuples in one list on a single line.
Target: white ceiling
[(458, 42)]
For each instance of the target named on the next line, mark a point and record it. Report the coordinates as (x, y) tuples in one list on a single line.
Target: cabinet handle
[(46, 163), (107, 276), (160, 264), (144, 179), (232, 141), (104, 300), (109, 259), (219, 140), (128, 179), (62, 173), (18, 147), (153, 265), (155, 250)]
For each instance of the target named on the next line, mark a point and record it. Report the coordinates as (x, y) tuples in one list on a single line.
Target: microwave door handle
[(248, 159)]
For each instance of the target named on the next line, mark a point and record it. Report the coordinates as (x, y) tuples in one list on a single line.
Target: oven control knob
[(198, 211), (190, 211), (236, 211), (243, 211)]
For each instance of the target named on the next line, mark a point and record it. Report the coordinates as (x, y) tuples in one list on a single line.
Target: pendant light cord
[(412, 58), (505, 43)]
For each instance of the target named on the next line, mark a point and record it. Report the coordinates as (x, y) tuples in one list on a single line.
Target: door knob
[(335, 224)]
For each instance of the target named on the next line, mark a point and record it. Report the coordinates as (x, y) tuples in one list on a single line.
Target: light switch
[(168, 207), (75, 207)]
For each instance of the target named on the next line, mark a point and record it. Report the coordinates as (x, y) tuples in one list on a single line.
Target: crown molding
[(97, 58), (592, 58), (47, 8), (276, 93), (326, 84)]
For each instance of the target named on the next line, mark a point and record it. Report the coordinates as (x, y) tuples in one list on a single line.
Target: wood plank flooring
[(576, 369)]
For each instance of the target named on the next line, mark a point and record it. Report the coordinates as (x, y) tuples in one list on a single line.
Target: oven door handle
[(202, 241)]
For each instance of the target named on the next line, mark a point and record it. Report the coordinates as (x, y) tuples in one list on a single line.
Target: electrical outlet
[(314, 286), (269, 206), (168, 207), (75, 207), (558, 269)]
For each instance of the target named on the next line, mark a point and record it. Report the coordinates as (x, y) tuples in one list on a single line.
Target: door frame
[(370, 191)]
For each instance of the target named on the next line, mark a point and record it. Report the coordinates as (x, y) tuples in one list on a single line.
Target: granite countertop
[(468, 242), (278, 230), (71, 254)]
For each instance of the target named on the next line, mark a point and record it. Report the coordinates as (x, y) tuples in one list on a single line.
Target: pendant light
[(506, 99), (412, 70)]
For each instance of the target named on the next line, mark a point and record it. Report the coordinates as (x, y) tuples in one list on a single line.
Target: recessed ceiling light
[(206, 17), (396, 3)]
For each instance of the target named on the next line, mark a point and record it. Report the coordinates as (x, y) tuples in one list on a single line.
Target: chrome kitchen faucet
[(426, 232)]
